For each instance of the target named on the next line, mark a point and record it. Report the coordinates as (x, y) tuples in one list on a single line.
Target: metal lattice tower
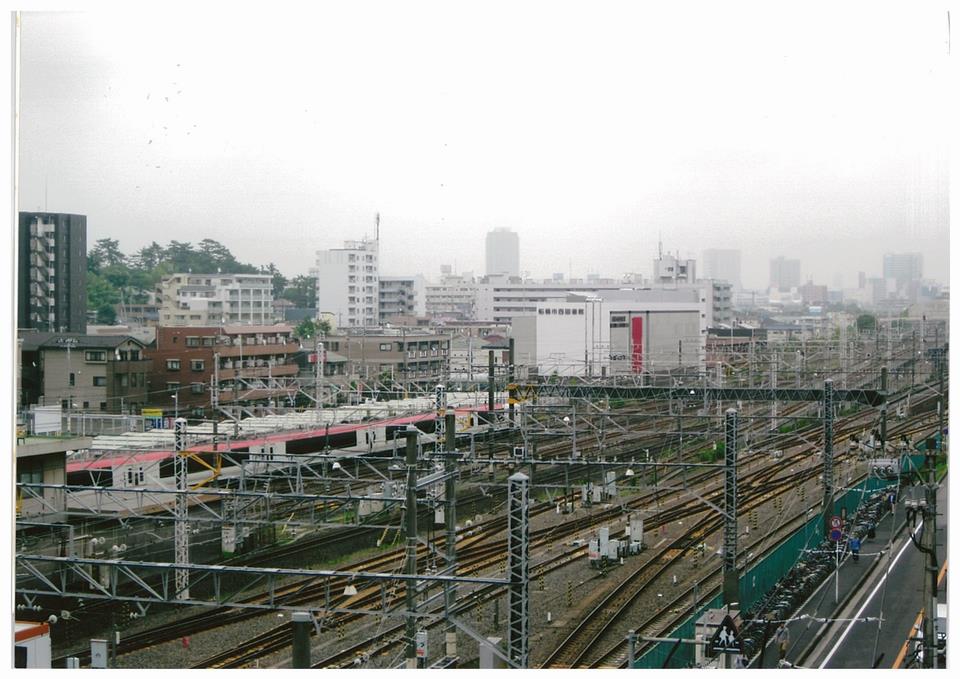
[(731, 580), (181, 531), (518, 567), (827, 454)]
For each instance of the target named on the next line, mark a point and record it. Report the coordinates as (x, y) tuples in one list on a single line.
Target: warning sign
[(726, 639)]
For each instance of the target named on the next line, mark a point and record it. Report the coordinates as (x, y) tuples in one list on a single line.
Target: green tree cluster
[(113, 277)]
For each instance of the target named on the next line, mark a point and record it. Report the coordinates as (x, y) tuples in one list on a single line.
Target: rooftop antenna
[(659, 245), (376, 231)]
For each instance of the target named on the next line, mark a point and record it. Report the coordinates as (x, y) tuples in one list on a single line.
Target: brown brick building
[(255, 363)]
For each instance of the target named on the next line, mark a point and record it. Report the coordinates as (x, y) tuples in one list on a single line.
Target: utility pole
[(181, 528), (410, 566), (731, 580)]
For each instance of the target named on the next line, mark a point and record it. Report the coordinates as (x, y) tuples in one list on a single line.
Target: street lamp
[(176, 405)]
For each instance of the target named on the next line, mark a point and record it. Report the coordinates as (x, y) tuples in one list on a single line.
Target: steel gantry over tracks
[(631, 389)]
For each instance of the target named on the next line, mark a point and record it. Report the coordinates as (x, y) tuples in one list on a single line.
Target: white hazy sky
[(815, 131)]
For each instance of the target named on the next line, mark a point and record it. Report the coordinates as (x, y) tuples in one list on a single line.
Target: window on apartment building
[(95, 356), (173, 387), (86, 405), (173, 364), (122, 380), (72, 381), (103, 406), (385, 346), (196, 387), (123, 355), (99, 381), (193, 341), (196, 365), (208, 341)]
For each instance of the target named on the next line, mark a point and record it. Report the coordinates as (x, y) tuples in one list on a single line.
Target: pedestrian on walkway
[(782, 638), (855, 548)]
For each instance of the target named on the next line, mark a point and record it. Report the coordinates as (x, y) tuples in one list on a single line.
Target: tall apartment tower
[(784, 273), (52, 272), (503, 252), (723, 265), (348, 283)]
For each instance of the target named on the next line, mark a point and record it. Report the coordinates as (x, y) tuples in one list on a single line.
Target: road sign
[(836, 522), (836, 534), (726, 639)]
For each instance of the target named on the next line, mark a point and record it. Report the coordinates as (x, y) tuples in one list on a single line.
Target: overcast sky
[(818, 133)]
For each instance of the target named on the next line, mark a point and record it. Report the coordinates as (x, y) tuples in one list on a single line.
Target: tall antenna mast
[(376, 231)]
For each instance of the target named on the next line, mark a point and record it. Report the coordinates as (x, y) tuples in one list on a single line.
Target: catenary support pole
[(302, 623), (490, 388), (827, 506), (883, 410), (450, 517), (215, 399), (410, 566), (511, 379), (518, 548), (731, 580), (181, 531)]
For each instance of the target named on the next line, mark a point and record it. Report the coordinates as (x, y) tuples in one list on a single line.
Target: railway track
[(558, 449)]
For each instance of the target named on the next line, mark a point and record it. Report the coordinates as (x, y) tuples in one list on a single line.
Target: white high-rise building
[(503, 252), (348, 283), (722, 265)]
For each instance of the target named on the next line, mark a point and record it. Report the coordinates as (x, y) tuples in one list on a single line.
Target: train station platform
[(860, 617)]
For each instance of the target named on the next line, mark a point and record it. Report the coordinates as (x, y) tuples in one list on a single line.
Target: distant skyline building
[(348, 283), (670, 271), (503, 252), (52, 272), (784, 274), (904, 267), (723, 265)]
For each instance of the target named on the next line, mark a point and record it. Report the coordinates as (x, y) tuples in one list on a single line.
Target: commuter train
[(148, 469)]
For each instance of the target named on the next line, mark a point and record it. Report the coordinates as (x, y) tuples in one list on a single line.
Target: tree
[(302, 291), (101, 298), (310, 327), (106, 252), (306, 329), (279, 280), (866, 323)]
